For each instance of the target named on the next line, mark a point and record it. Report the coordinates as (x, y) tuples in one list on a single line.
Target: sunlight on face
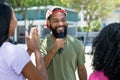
[(58, 24), (58, 21)]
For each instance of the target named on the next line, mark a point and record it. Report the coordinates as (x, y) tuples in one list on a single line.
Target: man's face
[(58, 24)]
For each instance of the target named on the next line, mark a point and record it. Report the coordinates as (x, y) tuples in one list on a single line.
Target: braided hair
[(106, 51)]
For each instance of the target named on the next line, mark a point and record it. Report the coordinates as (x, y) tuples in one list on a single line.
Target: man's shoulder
[(45, 39), (73, 39)]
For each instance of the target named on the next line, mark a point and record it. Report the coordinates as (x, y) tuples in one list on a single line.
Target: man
[(62, 53)]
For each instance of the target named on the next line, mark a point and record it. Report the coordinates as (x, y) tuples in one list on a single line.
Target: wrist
[(36, 50), (29, 51)]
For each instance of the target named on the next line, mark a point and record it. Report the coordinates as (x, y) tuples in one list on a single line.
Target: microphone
[(60, 35), (60, 50)]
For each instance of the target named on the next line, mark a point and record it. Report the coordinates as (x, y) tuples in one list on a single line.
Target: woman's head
[(7, 22), (106, 51)]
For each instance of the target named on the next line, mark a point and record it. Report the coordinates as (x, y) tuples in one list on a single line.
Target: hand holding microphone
[(60, 35)]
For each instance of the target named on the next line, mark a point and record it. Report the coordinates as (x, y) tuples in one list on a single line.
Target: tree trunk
[(86, 37)]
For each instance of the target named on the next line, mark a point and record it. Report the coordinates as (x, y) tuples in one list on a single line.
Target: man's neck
[(54, 38)]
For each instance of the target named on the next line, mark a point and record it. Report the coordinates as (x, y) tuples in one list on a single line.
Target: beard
[(58, 35)]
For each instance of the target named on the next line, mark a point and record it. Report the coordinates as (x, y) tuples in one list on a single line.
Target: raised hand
[(33, 40)]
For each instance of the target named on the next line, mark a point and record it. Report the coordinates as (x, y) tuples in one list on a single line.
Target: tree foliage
[(30, 3), (93, 10)]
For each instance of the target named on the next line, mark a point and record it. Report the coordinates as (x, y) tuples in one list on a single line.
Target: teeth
[(60, 28)]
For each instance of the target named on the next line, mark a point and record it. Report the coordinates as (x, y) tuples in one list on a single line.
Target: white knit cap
[(50, 12)]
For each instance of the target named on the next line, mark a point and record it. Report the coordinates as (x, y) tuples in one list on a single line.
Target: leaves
[(30, 3)]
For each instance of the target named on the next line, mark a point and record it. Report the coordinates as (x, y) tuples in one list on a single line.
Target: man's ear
[(48, 24), (48, 21)]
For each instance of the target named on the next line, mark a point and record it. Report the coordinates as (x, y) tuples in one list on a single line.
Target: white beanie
[(50, 12)]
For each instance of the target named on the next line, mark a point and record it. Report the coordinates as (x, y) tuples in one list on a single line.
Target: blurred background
[(85, 17)]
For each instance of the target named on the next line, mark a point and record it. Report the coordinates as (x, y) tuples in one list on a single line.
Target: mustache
[(55, 33)]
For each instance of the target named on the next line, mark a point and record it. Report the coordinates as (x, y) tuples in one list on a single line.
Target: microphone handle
[(60, 35), (60, 50)]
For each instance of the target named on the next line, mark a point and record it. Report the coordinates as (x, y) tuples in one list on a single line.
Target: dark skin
[(58, 20), (30, 71)]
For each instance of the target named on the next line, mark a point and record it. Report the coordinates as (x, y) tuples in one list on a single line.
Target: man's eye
[(64, 20), (55, 21)]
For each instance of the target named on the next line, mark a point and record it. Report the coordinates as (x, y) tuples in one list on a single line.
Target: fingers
[(34, 32), (33, 41), (60, 43), (27, 37), (35, 38)]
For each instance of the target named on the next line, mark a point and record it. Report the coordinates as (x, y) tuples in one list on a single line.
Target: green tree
[(30, 3), (95, 26), (92, 9), (24, 4)]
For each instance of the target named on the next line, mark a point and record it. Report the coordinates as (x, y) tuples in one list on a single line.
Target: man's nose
[(61, 23)]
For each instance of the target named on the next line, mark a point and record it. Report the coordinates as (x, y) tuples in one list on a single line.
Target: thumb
[(27, 37)]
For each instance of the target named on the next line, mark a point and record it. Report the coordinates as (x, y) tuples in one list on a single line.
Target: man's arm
[(48, 58), (82, 72)]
